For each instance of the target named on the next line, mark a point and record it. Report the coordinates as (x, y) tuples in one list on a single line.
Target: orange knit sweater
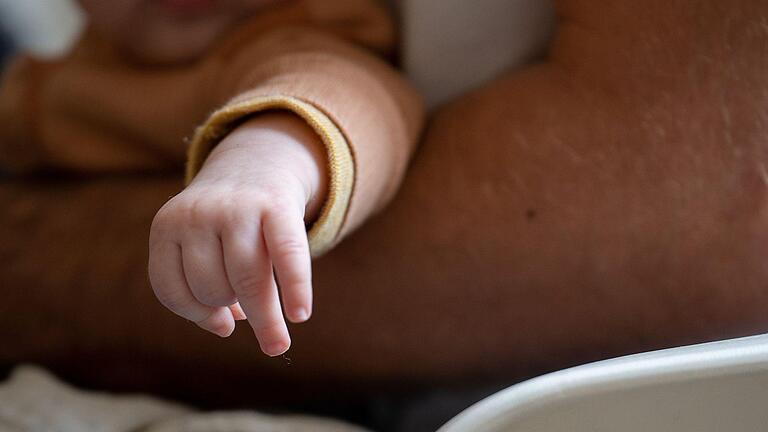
[(95, 111)]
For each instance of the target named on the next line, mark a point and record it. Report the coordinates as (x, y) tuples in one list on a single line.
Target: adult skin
[(611, 199)]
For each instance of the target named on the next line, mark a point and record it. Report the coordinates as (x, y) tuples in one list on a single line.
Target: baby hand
[(213, 247)]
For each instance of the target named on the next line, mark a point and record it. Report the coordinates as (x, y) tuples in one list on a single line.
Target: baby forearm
[(280, 140)]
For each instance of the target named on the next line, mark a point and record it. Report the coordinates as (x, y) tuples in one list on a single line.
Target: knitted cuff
[(324, 232)]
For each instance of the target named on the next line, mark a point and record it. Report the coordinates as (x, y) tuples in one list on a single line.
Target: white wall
[(451, 46), (44, 28)]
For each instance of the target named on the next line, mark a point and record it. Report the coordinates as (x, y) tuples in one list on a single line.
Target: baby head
[(163, 31)]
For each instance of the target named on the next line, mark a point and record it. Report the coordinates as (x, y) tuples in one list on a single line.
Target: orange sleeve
[(368, 116)]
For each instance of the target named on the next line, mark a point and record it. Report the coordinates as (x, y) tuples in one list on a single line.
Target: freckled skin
[(640, 143)]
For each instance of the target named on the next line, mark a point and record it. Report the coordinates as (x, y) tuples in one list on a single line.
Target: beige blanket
[(33, 400)]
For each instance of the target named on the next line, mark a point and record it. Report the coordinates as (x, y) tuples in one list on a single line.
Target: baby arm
[(243, 214), (257, 177)]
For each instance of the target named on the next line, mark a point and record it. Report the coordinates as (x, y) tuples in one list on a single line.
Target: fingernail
[(300, 315), (237, 312), (225, 332), (276, 349), (222, 330)]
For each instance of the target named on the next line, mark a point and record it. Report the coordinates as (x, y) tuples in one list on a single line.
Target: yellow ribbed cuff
[(325, 231)]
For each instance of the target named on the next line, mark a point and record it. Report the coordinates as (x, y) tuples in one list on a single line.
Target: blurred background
[(486, 38)]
